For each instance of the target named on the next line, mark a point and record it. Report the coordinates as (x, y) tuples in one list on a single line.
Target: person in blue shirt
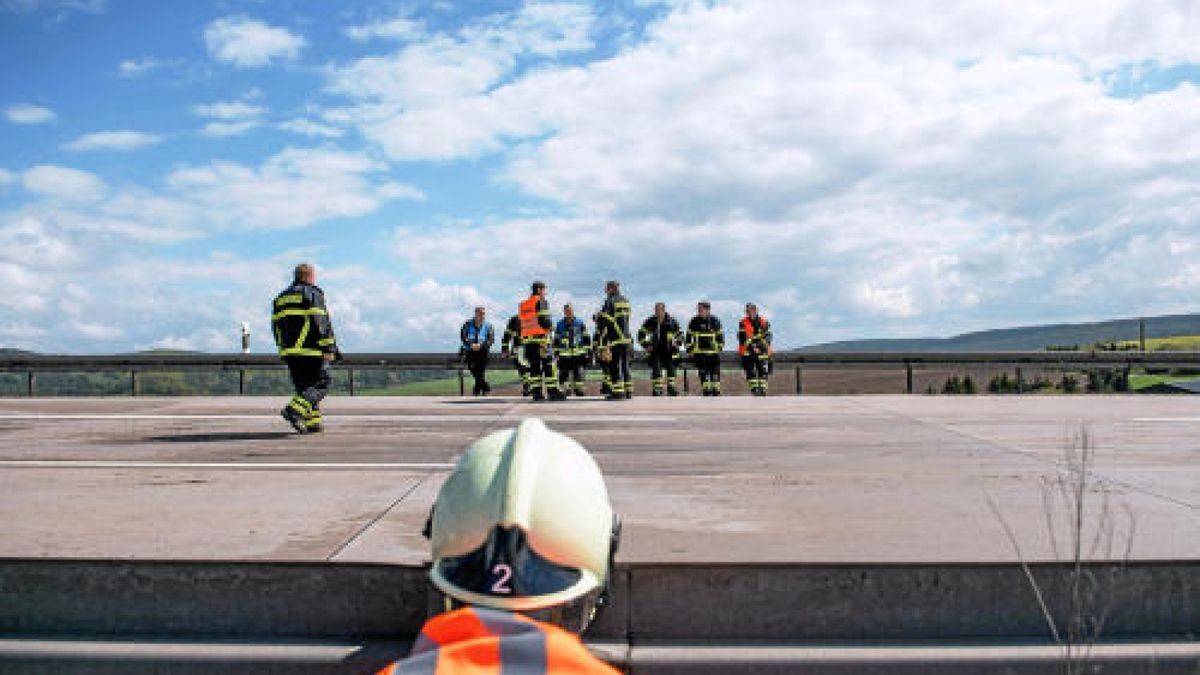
[(477, 337), (573, 344)]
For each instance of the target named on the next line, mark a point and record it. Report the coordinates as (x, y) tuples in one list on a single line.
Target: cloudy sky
[(858, 168)]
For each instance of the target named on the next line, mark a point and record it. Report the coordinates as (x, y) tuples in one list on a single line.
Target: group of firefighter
[(551, 358)]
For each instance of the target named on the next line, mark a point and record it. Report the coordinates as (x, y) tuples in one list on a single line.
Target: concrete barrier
[(138, 616)]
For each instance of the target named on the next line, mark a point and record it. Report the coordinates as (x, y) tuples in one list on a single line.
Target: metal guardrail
[(134, 364)]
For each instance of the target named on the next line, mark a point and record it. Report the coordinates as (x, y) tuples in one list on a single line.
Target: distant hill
[(1028, 338)]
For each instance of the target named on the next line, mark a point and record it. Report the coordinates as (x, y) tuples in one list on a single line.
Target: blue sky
[(859, 170)]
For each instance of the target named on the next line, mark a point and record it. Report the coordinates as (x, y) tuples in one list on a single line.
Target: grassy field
[(1175, 343), (1139, 381)]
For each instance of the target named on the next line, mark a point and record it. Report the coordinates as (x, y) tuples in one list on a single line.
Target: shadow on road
[(222, 437)]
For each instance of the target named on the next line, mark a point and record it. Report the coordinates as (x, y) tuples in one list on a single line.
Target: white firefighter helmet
[(524, 523)]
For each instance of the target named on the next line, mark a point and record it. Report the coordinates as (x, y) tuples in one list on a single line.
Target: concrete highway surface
[(829, 534)]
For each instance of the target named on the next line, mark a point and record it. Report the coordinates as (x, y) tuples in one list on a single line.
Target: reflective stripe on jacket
[(479, 641), (663, 338), (535, 319), (612, 322), (300, 322), (749, 332), (705, 335), (571, 338)]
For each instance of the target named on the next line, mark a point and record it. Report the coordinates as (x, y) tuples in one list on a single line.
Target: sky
[(859, 169)]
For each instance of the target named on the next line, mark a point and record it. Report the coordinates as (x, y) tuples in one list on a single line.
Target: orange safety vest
[(749, 330), (479, 641), (529, 318)]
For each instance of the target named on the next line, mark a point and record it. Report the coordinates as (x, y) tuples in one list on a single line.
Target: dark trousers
[(477, 364), (541, 368), (757, 368), (570, 370), (662, 370), (618, 369), (311, 379), (708, 366)]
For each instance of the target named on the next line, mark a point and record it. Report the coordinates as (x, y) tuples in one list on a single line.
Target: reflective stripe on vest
[(529, 318), (752, 333), (482, 641)]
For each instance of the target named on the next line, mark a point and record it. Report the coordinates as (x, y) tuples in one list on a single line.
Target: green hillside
[(1033, 338)]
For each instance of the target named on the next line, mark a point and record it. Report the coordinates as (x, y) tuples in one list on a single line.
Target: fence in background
[(251, 374)]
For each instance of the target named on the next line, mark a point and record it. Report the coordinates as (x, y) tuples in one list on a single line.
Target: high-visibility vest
[(752, 332), (529, 318), (482, 641)]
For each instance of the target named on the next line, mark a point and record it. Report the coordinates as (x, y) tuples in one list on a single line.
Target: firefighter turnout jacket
[(705, 335), (755, 333), (512, 334), (571, 338), (484, 641), (612, 322), (301, 323), (663, 337)]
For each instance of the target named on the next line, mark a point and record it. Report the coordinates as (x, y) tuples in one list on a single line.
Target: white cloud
[(227, 129), (6, 178), (905, 167), (229, 110), (92, 330), (231, 118), (292, 189), (443, 67), (138, 67), (247, 42), (113, 140), (310, 128), (392, 29), (65, 183), (28, 113)]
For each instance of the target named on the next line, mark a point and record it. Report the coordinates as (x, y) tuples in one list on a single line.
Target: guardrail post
[(462, 383), (241, 381), (685, 381), (352, 382), (1020, 381), (908, 377), (133, 383), (799, 382), (32, 380)]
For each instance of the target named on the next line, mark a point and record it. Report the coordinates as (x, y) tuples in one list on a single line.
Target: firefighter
[(661, 339), (476, 337), (510, 347), (612, 337), (536, 327), (304, 335), (705, 340), (754, 346), (573, 344), (523, 537)]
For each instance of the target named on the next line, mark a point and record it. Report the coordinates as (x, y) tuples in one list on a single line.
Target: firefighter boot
[(295, 413)]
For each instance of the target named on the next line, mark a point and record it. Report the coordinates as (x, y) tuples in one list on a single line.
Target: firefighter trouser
[(521, 366), (570, 369), (618, 370), (477, 364), (541, 368), (311, 379), (757, 368), (708, 367), (662, 370)]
